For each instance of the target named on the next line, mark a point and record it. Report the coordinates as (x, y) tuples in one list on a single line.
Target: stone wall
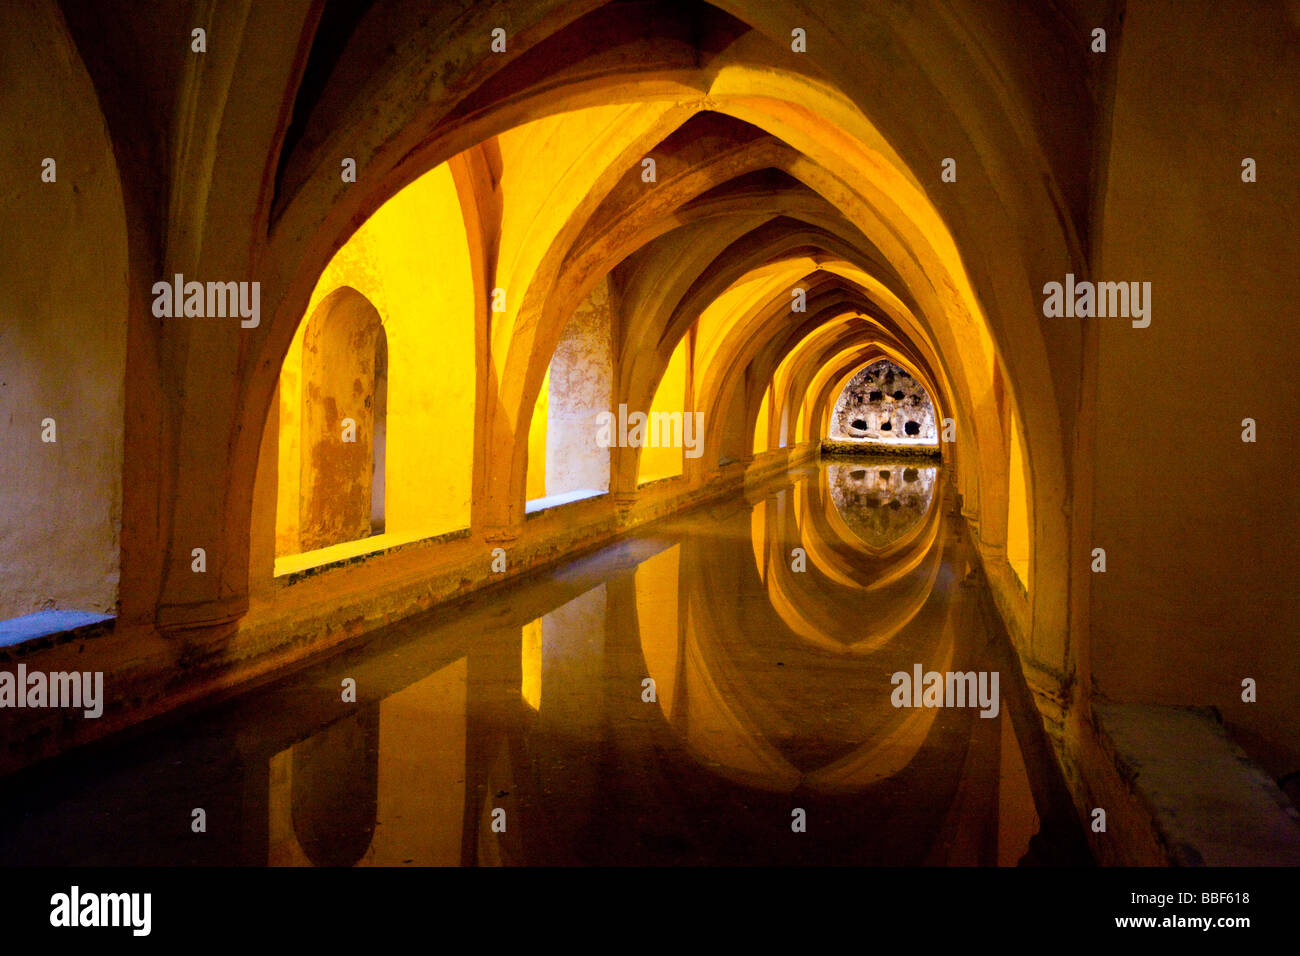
[(581, 383), (338, 466), (63, 309), (884, 404)]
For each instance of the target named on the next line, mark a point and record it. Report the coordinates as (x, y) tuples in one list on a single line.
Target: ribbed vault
[(776, 170), (478, 173), (768, 179)]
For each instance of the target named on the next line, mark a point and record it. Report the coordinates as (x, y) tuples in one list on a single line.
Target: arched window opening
[(376, 390), (567, 458), (340, 357)]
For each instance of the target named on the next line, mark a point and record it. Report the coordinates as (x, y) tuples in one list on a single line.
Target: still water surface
[(687, 695)]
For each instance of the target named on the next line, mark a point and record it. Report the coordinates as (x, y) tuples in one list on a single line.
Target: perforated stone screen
[(884, 404)]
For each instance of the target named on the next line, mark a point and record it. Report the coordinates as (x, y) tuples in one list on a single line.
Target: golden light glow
[(657, 620), (670, 397), (531, 661), (760, 426), (537, 442), (1018, 539), (410, 260)]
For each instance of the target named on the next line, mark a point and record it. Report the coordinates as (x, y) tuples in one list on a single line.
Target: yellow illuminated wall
[(1018, 508), (670, 397), (530, 657), (411, 261), (781, 386), (420, 779), (720, 317), (657, 618), (760, 427), (536, 487)]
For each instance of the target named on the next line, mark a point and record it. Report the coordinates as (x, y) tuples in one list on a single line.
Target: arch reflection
[(664, 700), (881, 502), (747, 708)]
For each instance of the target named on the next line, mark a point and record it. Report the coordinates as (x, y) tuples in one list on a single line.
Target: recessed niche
[(884, 405)]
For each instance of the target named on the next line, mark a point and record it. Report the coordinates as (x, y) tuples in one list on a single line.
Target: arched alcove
[(63, 333), (568, 459), (883, 404), (343, 341), (388, 342)]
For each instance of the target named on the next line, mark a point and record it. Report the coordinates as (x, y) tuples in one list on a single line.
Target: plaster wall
[(761, 423), (535, 484), (670, 397), (417, 276), (1019, 540), (581, 382), (63, 306), (1198, 591)]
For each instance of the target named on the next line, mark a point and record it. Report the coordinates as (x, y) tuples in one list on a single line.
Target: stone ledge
[(46, 628), (1209, 804), (290, 569), (863, 449), (537, 505)]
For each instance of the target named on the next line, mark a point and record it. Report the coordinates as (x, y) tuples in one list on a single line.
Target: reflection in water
[(881, 502), (333, 806), (674, 698)]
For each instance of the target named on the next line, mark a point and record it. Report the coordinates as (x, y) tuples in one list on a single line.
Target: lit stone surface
[(1208, 802), (884, 404)]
